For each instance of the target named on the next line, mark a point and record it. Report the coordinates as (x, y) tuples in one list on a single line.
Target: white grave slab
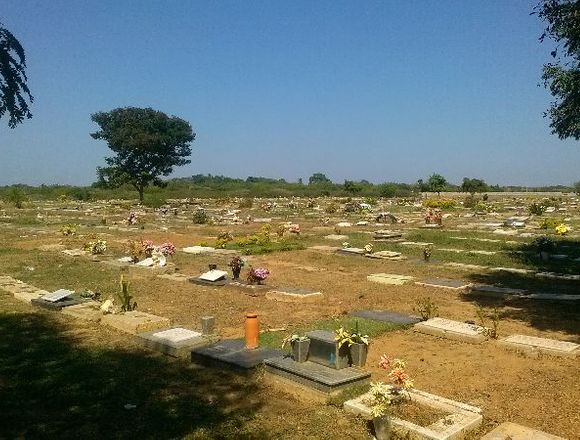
[(213, 275), (389, 278), (197, 250), (57, 295), (513, 431), (176, 334), (544, 345), (448, 328)]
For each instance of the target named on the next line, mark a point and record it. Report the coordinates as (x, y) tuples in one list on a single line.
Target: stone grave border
[(462, 419)]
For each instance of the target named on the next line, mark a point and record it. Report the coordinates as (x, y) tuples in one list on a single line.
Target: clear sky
[(378, 90)]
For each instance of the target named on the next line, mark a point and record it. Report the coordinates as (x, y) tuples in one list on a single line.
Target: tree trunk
[(140, 189)]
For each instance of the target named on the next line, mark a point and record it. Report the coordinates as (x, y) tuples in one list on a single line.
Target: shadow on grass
[(529, 254), (50, 387)]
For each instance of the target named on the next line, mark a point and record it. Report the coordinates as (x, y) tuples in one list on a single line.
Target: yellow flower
[(562, 229)]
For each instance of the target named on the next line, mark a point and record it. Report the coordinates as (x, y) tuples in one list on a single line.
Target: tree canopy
[(318, 178), (473, 185), (14, 91), (562, 76), (436, 183), (147, 144)]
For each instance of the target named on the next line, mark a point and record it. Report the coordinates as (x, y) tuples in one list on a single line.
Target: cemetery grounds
[(61, 377)]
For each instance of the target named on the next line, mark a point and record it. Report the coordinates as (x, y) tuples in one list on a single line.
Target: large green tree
[(473, 185), (318, 178), (14, 91), (436, 183), (562, 76), (147, 144)]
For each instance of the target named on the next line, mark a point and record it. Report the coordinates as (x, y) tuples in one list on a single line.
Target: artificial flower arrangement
[(368, 248), (236, 265), (382, 394), (257, 275), (427, 251), (345, 244), (132, 219), (96, 247), (148, 249), (350, 337), (292, 339), (69, 229), (562, 229), (433, 216)]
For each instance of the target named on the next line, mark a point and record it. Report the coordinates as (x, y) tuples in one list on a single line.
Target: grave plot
[(532, 344), (513, 431), (386, 235), (135, 322), (21, 291), (444, 283), (88, 311), (387, 316), (387, 255), (233, 353), (450, 329), (389, 278), (460, 420), (58, 300), (176, 341), (326, 368), (294, 294)]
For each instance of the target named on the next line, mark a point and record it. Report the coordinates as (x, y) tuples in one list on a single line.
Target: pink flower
[(385, 362)]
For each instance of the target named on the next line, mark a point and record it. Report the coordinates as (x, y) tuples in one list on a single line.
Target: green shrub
[(537, 208), (17, 197), (331, 209), (154, 200), (470, 201), (200, 217), (550, 223)]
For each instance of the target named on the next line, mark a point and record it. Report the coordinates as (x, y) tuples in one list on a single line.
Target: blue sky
[(376, 90)]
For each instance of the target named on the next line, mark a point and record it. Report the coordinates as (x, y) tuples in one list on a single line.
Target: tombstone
[(211, 278), (293, 294), (324, 350), (513, 431), (207, 325), (389, 278), (450, 329), (177, 341), (532, 344)]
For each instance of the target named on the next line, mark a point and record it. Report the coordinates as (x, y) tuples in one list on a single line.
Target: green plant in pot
[(382, 395), (300, 346)]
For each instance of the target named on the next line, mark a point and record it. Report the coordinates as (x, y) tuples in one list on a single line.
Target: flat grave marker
[(513, 431), (293, 294), (177, 341), (444, 283), (534, 344), (450, 329), (387, 316), (389, 278), (233, 352), (135, 322), (89, 311), (57, 295)]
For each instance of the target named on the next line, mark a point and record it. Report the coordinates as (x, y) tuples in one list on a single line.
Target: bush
[(154, 201), (537, 208), (246, 203), (200, 217), (331, 209), (550, 223), (439, 203), (17, 197), (470, 201)]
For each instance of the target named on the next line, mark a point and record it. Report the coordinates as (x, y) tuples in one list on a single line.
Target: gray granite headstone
[(387, 316), (324, 350)]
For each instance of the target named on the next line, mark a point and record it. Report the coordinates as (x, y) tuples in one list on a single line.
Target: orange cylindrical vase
[(252, 327)]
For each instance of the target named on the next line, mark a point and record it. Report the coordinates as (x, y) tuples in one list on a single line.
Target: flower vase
[(358, 354), (383, 427), (300, 350)]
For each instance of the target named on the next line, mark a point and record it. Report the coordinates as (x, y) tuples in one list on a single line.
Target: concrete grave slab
[(316, 376), (135, 322), (89, 311), (213, 275), (174, 276), (57, 295), (351, 251), (387, 316), (324, 350), (461, 418), (450, 329), (177, 341), (513, 431), (198, 250), (233, 352), (28, 295), (74, 252), (386, 255), (336, 237), (444, 283), (68, 301), (389, 278), (532, 344), (293, 294)]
